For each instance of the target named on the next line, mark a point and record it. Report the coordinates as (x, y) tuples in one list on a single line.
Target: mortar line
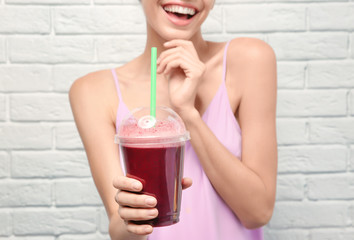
[(306, 76)]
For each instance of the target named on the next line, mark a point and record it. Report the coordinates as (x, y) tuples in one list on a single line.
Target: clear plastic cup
[(153, 153)]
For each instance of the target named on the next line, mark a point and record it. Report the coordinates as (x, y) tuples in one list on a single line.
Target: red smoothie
[(160, 170)]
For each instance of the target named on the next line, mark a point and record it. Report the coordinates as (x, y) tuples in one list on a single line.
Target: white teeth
[(179, 9)]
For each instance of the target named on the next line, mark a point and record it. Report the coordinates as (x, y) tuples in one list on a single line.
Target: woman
[(224, 92)]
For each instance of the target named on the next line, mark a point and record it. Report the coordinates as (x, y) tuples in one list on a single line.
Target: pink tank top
[(204, 215)]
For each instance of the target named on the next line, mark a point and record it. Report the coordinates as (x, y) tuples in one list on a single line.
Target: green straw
[(153, 82)]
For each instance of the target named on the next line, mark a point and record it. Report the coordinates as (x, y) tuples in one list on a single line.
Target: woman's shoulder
[(245, 48), (92, 80), (96, 81), (92, 87), (249, 56)]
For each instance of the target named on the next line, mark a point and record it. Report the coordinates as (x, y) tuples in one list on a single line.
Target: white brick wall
[(46, 190)]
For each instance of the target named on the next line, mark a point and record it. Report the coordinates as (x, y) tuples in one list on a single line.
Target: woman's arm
[(247, 186), (92, 110)]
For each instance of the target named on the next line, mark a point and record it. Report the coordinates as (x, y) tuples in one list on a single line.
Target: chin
[(177, 34)]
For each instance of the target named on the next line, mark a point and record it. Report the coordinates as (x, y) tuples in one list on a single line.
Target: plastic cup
[(153, 153)]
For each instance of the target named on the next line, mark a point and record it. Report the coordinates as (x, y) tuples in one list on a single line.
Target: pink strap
[(224, 61), (117, 84)]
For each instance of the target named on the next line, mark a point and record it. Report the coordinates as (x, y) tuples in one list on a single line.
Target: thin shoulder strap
[(224, 61), (117, 84)]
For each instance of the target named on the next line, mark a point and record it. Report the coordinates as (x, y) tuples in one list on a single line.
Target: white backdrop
[(46, 190)]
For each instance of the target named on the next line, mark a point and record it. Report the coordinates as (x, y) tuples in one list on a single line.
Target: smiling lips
[(179, 15)]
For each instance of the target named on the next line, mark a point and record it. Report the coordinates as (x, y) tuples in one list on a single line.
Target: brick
[(312, 103), (312, 159), (291, 131), (36, 107), (232, 1), (331, 74), (25, 193), (5, 223), (331, 17), (289, 234), (227, 37), (351, 214), (24, 20), (58, 49), (265, 18), (302, 1), (330, 234), (214, 22), (120, 49), (65, 75), (2, 50), (4, 165), (25, 136), (103, 221), (34, 238), (27, 164), (96, 236), (307, 46), (351, 161), (76, 193), (2, 107), (351, 103), (115, 2), (334, 130), (54, 221), (331, 187), (291, 75), (25, 78), (100, 19), (290, 188), (46, 2), (352, 45), (67, 137), (309, 215)]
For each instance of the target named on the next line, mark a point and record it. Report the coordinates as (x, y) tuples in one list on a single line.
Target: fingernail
[(158, 61), (148, 229), (136, 186), (152, 212), (150, 201)]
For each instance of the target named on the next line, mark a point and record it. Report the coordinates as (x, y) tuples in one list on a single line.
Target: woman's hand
[(134, 206), (181, 65)]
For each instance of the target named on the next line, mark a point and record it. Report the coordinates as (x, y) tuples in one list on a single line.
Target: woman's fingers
[(139, 229), (171, 54), (124, 198), (137, 214), (174, 63), (186, 183), (127, 184)]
